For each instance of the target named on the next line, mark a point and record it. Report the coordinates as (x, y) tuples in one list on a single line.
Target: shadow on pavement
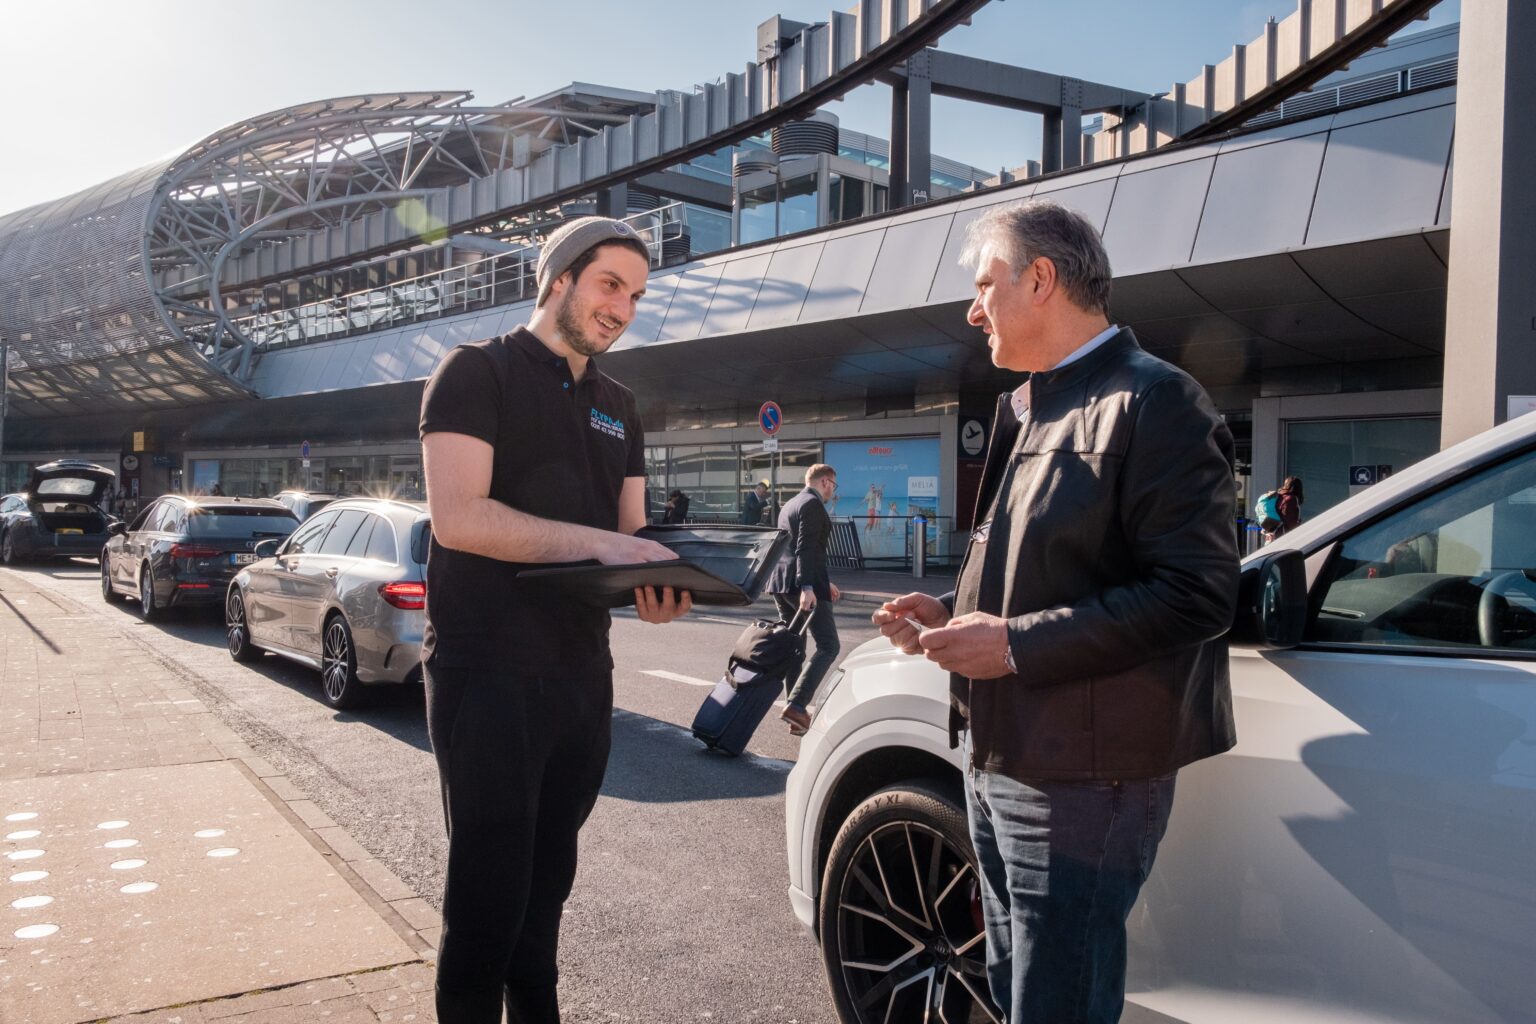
[(657, 762)]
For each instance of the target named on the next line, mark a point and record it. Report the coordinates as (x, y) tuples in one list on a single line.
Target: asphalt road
[(679, 911)]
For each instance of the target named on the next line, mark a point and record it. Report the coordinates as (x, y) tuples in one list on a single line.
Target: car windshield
[(61, 486), (256, 523)]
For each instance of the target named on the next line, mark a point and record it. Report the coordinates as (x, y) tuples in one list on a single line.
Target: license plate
[(69, 529), (242, 558)]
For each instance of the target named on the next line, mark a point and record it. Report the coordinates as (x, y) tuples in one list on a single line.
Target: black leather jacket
[(1117, 561)]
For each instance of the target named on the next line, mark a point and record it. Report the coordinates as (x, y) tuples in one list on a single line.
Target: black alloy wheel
[(148, 609), (109, 593), (338, 665), (900, 913), (238, 631)]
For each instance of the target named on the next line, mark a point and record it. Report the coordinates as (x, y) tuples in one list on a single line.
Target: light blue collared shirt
[(1020, 400)]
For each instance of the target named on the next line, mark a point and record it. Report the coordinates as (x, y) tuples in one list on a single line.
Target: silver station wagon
[(1367, 851), (345, 594)]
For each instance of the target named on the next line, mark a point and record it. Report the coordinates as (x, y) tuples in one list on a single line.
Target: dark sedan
[(184, 550), (59, 515)]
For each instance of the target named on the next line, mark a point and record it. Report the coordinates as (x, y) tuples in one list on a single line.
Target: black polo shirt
[(562, 451)]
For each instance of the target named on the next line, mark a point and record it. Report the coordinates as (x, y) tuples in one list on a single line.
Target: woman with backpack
[(1289, 504)]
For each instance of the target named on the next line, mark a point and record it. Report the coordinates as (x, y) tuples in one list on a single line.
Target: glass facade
[(392, 476), (1330, 455)]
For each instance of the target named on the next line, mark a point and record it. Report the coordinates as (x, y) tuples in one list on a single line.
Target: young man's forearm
[(485, 526)]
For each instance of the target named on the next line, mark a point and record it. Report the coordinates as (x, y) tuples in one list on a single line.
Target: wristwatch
[(1008, 658)]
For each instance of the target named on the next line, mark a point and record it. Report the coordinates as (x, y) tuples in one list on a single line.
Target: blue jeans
[(1061, 865)]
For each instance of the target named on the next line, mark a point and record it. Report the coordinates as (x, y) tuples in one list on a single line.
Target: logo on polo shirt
[(607, 424)]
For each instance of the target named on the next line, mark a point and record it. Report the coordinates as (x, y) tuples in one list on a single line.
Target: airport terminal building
[(261, 312)]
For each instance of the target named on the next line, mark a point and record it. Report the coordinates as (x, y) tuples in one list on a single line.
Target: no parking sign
[(770, 417)]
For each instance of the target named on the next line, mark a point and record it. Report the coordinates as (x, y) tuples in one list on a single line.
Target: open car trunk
[(72, 518)]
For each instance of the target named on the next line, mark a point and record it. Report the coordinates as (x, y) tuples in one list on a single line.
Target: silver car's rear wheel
[(237, 629), (901, 927), (338, 665)]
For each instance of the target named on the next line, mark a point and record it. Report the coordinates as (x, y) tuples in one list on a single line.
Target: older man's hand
[(970, 645), (899, 620)]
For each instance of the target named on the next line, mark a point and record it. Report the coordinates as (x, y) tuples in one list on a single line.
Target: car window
[(143, 518), (421, 540), (11, 505), (358, 547), (254, 523), (347, 522), (165, 510), (307, 537), (66, 486), (1455, 570), (382, 547)]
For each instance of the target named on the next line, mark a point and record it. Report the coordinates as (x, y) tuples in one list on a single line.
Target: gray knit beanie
[(570, 241)]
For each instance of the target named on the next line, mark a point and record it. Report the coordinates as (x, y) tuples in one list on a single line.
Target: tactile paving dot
[(134, 888), (128, 865), (119, 844), (36, 931), (109, 825), (21, 816), (26, 854), (31, 902), (208, 833), (26, 833), (223, 851), (29, 876)]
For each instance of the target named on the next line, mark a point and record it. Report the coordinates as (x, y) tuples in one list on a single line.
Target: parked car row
[(342, 591)]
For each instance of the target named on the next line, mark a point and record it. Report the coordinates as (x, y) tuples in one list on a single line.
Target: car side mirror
[(267, 548), (1271, 602), (117, 529)]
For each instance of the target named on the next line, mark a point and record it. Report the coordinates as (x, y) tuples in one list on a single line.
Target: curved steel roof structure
[(111, 299)]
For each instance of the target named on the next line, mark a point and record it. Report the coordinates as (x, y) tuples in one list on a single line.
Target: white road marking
[(676, 677)]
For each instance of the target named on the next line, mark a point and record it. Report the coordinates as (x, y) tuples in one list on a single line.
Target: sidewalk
[(157, 870), (874, 588)]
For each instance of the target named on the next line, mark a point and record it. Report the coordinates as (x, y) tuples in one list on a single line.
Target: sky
[(97, 88)]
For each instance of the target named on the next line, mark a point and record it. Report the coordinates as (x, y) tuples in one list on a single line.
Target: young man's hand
[(661, 609), (623, 549), (899, 619)]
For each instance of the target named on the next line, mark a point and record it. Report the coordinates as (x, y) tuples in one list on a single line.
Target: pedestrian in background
[(1082, 638), (801, 583), (519, 681), (676, 508), (1291, 497), (754, 504)]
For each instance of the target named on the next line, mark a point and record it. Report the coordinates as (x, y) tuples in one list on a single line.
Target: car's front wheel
[(237, 628), (338, 665), (900, 913), (108, 592), (8, 553)]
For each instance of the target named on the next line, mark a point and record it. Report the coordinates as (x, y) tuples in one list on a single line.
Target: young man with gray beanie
[(533, 456)]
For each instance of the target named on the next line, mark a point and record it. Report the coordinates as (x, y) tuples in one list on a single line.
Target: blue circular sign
[(304, 450), (770, 417)]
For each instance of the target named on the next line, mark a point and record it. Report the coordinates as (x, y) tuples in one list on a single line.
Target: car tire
[(149, 608), (8, 553), (339, 685), (108, 591), (237, 628), (924, 922)]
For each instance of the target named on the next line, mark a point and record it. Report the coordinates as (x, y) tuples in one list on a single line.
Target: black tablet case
[(719, 565)]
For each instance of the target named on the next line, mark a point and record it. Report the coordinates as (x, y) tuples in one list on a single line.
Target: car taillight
[(192, 551), (407, 594)]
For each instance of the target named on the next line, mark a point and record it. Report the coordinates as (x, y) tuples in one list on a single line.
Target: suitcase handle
[(804, 622)]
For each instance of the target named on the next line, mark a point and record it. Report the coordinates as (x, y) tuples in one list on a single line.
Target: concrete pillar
[(919, 136), (897, 179), (1490, 334)]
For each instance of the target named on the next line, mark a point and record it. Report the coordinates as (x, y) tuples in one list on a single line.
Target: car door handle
[(331, 572)]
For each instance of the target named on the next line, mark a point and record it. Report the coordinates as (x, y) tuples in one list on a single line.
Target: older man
[(532, 455), (1082, 637)]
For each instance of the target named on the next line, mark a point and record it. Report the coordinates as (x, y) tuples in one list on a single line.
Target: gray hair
[(1023, 232)]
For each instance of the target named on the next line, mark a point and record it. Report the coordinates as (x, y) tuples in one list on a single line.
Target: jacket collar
[(1118, 347)]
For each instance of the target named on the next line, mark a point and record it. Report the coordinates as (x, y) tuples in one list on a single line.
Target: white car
[(1367, 852)]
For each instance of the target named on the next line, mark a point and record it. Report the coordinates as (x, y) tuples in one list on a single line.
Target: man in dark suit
[(754, 503), (801, 583)]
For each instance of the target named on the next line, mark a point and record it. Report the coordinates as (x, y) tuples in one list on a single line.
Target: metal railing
[(492, 281), (1421, 76)]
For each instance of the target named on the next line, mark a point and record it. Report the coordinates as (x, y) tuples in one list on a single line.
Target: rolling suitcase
[(753, 680)]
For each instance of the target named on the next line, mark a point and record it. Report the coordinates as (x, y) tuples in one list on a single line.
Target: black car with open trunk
[(59, 515)]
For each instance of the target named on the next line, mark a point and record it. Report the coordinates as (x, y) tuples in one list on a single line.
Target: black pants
[(801, 686), (520, 760)]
